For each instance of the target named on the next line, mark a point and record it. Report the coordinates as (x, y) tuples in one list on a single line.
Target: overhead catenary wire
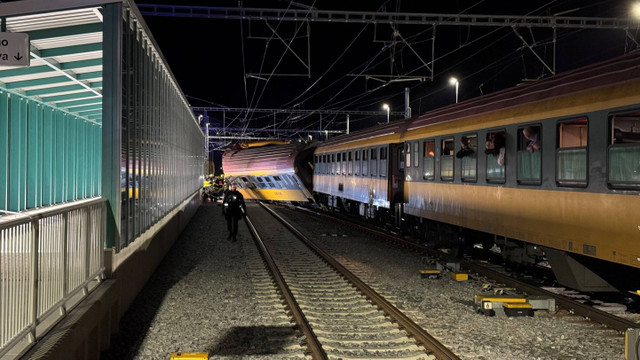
[(367, 100), (281, 57)]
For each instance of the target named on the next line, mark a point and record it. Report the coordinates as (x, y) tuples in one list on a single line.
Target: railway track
[(339, 315), (573, 306)]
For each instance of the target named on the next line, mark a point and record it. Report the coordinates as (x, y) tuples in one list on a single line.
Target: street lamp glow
[(454, 81), (635, 9), (386, 107)]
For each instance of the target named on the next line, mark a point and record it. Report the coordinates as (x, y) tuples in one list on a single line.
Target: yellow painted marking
[(519, 305), (503, 300), (430, 271)]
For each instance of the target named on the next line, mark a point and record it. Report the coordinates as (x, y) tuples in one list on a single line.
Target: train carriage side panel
[(590, 219), (372, 187), (586, 223)]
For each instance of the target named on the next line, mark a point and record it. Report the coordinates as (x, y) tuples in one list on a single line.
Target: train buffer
[(512, 305)]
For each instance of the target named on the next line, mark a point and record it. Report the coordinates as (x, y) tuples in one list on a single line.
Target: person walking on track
[(234, 209)]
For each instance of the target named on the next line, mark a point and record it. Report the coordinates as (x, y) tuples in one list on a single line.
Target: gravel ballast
[(207, 295), (212, 295), (445, 307)]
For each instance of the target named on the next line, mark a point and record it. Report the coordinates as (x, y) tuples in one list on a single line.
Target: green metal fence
[(47, 155)]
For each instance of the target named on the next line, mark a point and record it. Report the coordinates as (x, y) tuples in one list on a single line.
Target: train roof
[(380, 134), (268, 159)]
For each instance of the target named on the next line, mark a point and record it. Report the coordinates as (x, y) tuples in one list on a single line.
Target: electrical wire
[(357, 98), (283, 54)]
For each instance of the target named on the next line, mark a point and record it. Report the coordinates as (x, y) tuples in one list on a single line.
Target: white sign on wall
[(14, 49)]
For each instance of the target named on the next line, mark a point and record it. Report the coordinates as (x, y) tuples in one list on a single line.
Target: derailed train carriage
[(574, 198), (271, 170)]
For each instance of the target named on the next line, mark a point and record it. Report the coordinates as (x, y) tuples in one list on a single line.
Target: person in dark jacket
[(234, 209)]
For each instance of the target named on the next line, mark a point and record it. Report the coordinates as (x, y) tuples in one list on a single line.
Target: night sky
[(210, 57)]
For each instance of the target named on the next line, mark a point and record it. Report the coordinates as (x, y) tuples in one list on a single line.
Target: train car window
[(357, 170), (468, 154), (260, 183), (407, 154), (374, 162), (428, 161), (624, 151), (350, 169), (495, 148), (248, 183), (269, 183), (416, 151), (383, 161), (571, 153), (277, 178), (327, 164), (529, 160), (365, 163), (446, 160), (344, 163), (333, 164)]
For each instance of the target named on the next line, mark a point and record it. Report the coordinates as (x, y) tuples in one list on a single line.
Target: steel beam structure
[(365, 17), (294, 111), (271, 130)]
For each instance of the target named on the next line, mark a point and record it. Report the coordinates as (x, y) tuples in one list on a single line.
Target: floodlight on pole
[(635, 9), (454, 81), (386, 107)]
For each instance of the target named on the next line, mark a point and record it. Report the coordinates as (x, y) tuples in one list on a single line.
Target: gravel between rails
[(445, 307), (207, 295)]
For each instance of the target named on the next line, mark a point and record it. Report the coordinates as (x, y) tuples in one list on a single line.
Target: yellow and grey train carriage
[(362, 172), (565, 179), (271, 171)]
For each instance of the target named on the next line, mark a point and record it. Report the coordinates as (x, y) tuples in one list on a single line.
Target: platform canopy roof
[(66, 54)]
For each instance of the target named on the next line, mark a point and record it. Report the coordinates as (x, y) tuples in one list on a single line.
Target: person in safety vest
[(234, 209)]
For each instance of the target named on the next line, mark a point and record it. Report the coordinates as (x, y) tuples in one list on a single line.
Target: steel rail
[(313, 344), (589, 312), (423, 338)]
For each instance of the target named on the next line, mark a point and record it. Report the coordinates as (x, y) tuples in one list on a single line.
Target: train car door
[(396, 174)]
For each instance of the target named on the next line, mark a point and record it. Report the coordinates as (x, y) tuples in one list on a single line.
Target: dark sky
[(210, 57)]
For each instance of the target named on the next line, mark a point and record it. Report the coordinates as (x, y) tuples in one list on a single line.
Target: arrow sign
[(14, 49)]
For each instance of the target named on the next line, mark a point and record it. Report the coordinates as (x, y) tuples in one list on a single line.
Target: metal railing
[(49, 261)]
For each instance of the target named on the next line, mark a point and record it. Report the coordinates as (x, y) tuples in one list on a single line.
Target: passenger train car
[(271, 170), (548, 168)]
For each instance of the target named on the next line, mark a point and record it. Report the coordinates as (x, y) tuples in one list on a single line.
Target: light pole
[(386, 107), (454, 81)]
